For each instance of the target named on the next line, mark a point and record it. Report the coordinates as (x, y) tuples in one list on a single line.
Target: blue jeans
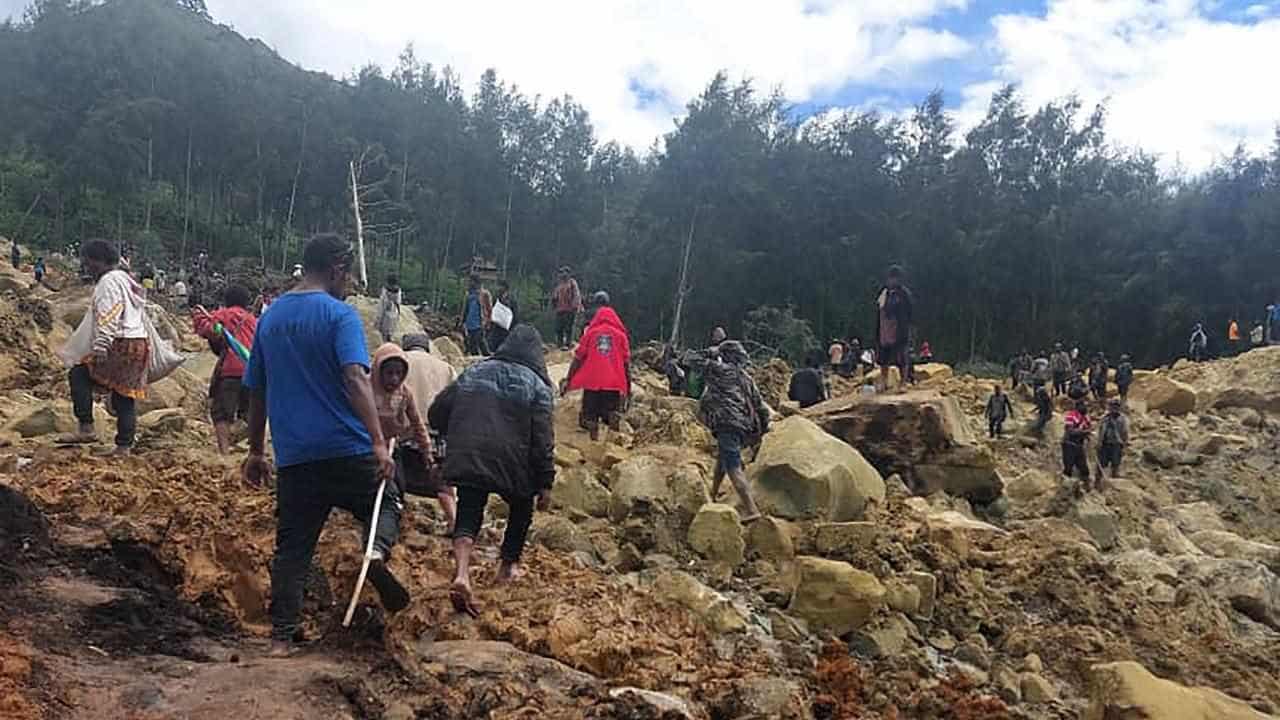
[(729, 444)]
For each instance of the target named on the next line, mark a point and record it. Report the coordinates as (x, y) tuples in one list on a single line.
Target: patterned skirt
[(124, 369)]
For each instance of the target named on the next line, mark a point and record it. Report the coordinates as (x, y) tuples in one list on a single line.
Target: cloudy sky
[(1187, 79)]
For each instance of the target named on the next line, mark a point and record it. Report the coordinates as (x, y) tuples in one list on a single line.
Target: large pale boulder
[(368, 309), (833, 595), (1224, 544), (1168, 539), (648, 480), (771, 539), (1248, 587), (932, 371), (577, 489), (40, 420), (960, 533), (1030, 486), (921, 435), (1161, 393), (711, 607), (804, 473), (446, 349), (716, 534), (1193, 517), (1128, 690), (846, 539), (1098, 521)]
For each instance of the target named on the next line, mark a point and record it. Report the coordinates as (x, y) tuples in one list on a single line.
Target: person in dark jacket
[(498, 333), (998, 409), (1077, 390), (1044, 408), (737, 416), (496, 419), (1124, 377), (1113, 439), (894, 310), (1060, 366), (1098, 371), (808, 387)]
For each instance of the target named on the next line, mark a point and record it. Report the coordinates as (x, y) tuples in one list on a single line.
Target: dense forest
[(147, 122)]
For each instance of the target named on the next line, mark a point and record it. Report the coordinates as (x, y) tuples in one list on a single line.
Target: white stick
[(368, 549)]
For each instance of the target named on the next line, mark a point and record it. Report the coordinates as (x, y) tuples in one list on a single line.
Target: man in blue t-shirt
[(477, 313), (309, 374)]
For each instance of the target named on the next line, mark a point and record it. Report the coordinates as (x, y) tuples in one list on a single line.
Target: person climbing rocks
[(1098, 372), (39, 270), (477, 309), (894, 311), (737, 416), (1060, 366), (1124, 377), (676, 376), (15, 255), (1233, 338), (309, 377), (1077, 389), (109, 350), (504, 315), (428, 377), (228, 399), (399, 417), (566, 298), (998, 409), (497, 421), (1015, 371), (1044, 408), (389, 302), (601, 368), (808, 386), (1199, 344), (718, 335), (1113, 439), (1075, 436)]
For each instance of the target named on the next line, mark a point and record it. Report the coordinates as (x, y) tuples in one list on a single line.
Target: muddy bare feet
[(509, 573), (282, 649), (460, 596)]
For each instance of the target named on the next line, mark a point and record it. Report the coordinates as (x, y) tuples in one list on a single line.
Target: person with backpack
[(1075, 437), (1114, 439), (1060, 366), (601, 368), (228, 400), (1044, 408), (998, 408), (1199, 347), (733, 409), (1124, 377), (1098, 371)]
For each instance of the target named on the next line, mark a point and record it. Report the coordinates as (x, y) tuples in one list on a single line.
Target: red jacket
[(240, 322), (603, 354)]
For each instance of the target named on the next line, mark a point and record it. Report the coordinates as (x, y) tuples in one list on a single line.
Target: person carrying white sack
[(114, 349)]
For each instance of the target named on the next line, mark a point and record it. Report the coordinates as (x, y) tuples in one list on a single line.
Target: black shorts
[(892, 356), (228, 400), (600, 404), (1110, 454)]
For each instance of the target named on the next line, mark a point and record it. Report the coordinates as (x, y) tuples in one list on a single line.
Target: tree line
[(147, 122)]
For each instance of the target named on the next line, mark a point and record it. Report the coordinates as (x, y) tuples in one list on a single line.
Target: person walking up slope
[(601, 368), (1076, 430), (308, 376), (998, 409), (1060, 366), (389, 302), (567, 300), (228, 400), (1124, 377), (428, 377), (894, 312), (497, 422), (1114, 438), (477, 314), (737, 416)]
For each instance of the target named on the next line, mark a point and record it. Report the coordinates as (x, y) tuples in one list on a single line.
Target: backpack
[(1111, 431)]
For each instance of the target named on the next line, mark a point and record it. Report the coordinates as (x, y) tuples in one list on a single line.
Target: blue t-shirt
[(473, 320), (299, 352)]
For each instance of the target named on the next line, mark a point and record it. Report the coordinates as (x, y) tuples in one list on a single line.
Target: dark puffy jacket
[(732, 401), (497, 421), (1124, 374)]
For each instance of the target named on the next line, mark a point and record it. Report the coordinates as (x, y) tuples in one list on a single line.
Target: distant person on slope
[(228, 400), (1076, 430), (998, 409), (1060, 366), (1040, 371), (1199, 344), (477, 309), (1257, 336), (428, 377), (1233, 337), (835, 355), (1273, 324), (1114, 438), (309, 376), (808, 387), (15, 255), (1044, 408), (112, 355), (1078, 390), (497, 422), (894, 312), (1098, 371), (1124, 377), (926, 352), (567, 301), (38, 270), (737, 416), (389, 302), (601, 368), (504, 316)]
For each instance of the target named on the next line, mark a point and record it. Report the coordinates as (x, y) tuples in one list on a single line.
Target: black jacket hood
[(523, 346)]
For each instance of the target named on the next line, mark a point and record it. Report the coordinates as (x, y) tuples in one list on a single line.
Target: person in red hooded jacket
[(228, 400), (601, 367)]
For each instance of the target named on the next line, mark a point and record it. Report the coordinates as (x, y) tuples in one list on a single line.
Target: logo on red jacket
[(604, 344)]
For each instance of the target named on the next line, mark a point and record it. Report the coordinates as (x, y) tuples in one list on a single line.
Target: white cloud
[(596, 49), (1177, 82)]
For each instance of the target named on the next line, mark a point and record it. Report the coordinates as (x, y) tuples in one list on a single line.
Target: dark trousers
[(477, 343), (1042, 420), (1110, 455), (82, 404), (1059, 383), (1100, 392), (1074, 459), (304, 496), (995, 427), (471, 504), (564, 328)]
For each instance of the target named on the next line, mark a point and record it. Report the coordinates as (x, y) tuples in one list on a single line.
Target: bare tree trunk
[(293, 192), (506, 233), (146, 221), (23, 221), (355, 207), (683, 289), (186, 207), (262, 181)]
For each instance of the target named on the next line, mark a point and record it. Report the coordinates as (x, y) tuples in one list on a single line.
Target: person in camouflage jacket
[(733, 409)]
